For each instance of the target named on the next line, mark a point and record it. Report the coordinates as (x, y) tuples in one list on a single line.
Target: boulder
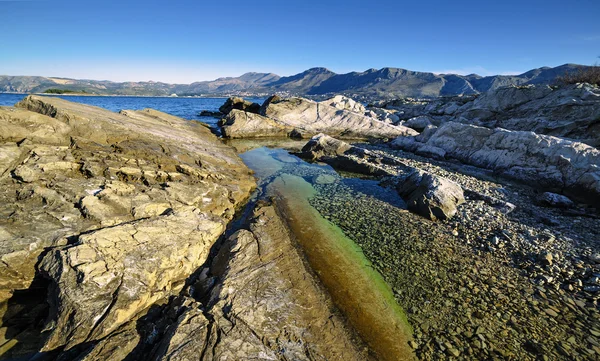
[(117, 209), (555, 200), (344, 156), (240, 104), (418, 123), (241, 124), (344, 103), (549, 162), (431, 196), (312, 118)]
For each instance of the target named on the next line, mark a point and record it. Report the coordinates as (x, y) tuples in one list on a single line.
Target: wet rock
[(343, 156), (209, 113), (431, 196)]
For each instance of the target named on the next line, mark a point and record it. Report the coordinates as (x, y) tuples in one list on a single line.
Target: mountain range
[(315, 82)]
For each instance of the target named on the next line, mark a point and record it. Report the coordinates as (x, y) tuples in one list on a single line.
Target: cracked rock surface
[(115, 211)]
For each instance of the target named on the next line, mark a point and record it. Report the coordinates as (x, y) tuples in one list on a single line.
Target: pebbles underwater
[(480, 286)]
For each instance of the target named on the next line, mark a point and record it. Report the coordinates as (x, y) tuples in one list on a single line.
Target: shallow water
[(356, 288)]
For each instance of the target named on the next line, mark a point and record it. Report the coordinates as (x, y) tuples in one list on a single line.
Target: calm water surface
[(187, 108)]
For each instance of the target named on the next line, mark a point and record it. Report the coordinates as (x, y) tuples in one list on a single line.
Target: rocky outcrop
[(240, 104), (571, 111), (263, 303), (303, 118), (570, 167), (344, 103), (310, 118), (345, 156), (240, 124), (431, 196), (119, 208)]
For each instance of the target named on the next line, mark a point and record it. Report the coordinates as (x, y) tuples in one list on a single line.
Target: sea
[(186, 108)]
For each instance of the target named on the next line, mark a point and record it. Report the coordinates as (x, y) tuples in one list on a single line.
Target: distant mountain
[(316, 82)]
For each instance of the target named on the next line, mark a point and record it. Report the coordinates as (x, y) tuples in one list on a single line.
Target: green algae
[(356, 288)]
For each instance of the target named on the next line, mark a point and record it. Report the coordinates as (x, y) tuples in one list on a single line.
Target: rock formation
[(263, 304), (429, 195), (571, 111), (303, 118), (240, 104), (344, 103), (240, 124), (553, 163), (120, 208)]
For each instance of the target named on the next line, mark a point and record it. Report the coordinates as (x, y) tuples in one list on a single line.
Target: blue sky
[(186, 41)]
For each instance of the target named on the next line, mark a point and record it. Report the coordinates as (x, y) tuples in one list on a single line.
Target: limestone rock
[(418, 123), (550, 162), (431, 196), (343, 155), (313, 118), (240, 104), (344, 103), (570, 111), (120, 208), (385, 115), (240, 124)]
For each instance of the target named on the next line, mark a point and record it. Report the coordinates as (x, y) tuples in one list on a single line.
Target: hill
[(315, 82)]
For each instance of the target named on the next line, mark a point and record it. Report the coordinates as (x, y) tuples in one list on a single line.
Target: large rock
[(240, 124), (345, 156), (548, 162), (240, 104), (310, 118), (263, 304), (431, 196), (120, 208), (426, 194), (108, 276), (571, 111), (344, 103)]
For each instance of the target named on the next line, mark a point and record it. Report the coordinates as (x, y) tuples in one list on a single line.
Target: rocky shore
[(139, 235), (485, 284)]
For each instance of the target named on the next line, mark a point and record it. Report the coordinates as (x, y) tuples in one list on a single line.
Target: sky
[(186, 41)]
